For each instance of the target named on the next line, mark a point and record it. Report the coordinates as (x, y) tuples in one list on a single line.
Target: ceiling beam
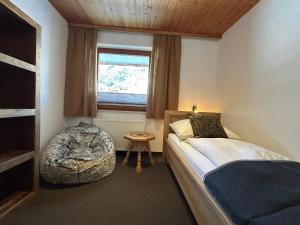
[(148, 31)]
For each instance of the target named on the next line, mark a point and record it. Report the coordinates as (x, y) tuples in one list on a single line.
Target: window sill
[(121, 107)]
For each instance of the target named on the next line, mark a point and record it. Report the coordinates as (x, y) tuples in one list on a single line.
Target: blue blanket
[(258, 192)]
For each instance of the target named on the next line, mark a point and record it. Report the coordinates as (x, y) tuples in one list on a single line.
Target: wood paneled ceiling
[(202, 18)]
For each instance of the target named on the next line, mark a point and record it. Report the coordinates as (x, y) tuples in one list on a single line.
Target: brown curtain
[(80, 87), (163, 89)]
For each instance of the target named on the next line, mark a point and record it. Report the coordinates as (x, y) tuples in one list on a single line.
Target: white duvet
[(224, 150)]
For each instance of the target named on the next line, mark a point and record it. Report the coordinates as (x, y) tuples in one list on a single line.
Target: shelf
[(8, 113), (19, 109), (16, 62), (10, 159), (13, 201)]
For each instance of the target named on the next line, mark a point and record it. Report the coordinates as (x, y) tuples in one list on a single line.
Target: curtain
[(164, 76), (81, 79)]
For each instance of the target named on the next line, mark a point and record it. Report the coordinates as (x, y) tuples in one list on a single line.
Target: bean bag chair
[(80, 154)]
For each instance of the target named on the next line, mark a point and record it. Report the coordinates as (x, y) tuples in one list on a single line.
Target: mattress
[(196, 162)]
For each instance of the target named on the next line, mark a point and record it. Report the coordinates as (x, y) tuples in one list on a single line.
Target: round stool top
[(139, 136)]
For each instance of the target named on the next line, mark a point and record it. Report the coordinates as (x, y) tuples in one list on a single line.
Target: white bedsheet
[(223, 150), (193, 159)]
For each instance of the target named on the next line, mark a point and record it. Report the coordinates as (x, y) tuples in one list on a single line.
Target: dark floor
[(124, 198)]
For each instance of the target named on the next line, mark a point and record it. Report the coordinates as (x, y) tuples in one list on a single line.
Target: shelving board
[(13, 201), (16, 62), (10, 159), (8, 113)]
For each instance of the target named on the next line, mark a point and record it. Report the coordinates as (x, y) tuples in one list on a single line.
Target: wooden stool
[(139, 141)]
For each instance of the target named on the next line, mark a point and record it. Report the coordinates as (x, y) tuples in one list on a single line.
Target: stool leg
[(138, 168), (152, 162), (125, 161)]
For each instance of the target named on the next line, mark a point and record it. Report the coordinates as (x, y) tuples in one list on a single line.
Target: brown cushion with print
[(207, 125)]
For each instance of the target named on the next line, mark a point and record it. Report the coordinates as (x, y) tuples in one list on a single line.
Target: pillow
[(231, 134), (182, 128), (207, 125)]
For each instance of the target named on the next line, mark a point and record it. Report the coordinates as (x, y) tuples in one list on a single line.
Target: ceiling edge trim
[(149, 31)]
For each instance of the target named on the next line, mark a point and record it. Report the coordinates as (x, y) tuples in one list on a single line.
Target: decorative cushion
[(80, 154), (207, 125), (182, 128)]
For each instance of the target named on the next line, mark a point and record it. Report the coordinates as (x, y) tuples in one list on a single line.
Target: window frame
[(120, 107)]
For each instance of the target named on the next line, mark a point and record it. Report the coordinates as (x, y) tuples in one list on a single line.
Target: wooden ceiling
[(202, 18)]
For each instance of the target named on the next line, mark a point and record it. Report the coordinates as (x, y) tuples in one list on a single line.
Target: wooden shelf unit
[(14, 200), (8, 113), (17, 86), (19, 106), (16, 62), (10, 159)]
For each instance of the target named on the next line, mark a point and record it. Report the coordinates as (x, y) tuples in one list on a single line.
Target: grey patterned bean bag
[(80, 154)]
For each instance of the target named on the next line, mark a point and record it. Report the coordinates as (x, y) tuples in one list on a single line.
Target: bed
[(190, 168), (206, 211)]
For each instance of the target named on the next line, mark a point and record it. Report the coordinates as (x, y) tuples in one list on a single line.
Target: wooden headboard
[(170, 117)]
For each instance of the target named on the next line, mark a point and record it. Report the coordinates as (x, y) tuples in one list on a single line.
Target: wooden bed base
[(205, 209)]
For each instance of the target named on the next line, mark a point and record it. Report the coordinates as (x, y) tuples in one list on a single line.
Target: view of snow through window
[(123, 79)]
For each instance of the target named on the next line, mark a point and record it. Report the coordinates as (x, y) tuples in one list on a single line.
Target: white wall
[(52, 67), (198, 74), (197, 82), (258, 82)]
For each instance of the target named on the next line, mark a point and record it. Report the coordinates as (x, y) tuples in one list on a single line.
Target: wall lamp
[(194, 109)]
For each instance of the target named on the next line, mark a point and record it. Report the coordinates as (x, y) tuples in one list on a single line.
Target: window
[(123, 79)]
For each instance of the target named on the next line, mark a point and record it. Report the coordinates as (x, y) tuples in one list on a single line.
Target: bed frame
[(205, 209)]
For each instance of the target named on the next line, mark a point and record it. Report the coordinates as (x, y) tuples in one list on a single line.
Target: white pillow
[(231, 134), (182, 128)]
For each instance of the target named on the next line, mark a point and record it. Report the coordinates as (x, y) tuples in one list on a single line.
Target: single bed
[(190, 178), (194, 160)]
